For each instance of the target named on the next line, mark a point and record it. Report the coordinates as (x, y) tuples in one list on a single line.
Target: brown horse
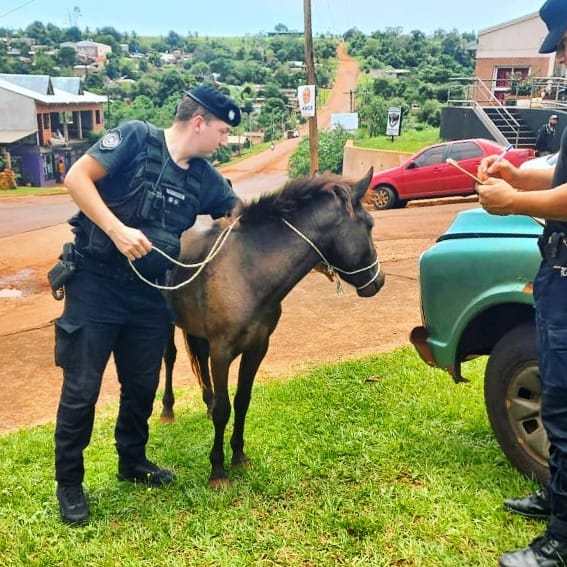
[(228, 299)]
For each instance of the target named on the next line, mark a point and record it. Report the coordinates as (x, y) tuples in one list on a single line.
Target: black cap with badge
[(554, 14), (216, 102)]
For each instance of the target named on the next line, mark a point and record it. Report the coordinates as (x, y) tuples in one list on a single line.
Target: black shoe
[(536, 505), (145, 472), (72, 504), (542, 552)]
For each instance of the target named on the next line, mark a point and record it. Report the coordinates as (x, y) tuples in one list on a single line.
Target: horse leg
[(198, 350), (221, 413), (249, 364), (169, 357)]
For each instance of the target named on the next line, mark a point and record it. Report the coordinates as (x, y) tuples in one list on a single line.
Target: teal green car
[(476, 299)]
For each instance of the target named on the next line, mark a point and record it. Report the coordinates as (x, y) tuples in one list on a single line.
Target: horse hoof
[(167, 419), (218, 483), (243, 462)]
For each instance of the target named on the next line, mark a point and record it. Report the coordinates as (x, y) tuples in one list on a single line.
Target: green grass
[(410, 140), (27, 191), (382, 461)]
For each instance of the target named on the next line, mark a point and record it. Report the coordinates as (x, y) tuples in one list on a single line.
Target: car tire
[(512, 395), (383, 197)]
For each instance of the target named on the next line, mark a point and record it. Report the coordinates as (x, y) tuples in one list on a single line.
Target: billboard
[(394, 121), (347, 120)]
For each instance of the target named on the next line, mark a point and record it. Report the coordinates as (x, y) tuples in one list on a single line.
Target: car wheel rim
[(523, 402), (380, 199)]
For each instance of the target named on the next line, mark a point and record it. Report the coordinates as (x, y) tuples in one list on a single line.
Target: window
[(431, 156), (465, 150), (504, 77)]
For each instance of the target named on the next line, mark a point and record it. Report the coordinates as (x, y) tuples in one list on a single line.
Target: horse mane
[(293, 196)]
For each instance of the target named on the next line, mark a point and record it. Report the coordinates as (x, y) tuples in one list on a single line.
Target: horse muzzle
[(373, 286)]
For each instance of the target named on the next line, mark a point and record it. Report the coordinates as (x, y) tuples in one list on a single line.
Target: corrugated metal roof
[(38, 83), (11, 136), (58, 97), (68, 84)]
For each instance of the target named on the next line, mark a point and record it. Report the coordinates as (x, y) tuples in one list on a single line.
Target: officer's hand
[(492, 166), (132, 242), (496, 196)]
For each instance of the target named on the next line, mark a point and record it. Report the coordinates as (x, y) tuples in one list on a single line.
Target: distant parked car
[(427, 174)]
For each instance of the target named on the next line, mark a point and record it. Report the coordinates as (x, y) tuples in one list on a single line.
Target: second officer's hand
[(132, 242), (495, 166), (496, 196)]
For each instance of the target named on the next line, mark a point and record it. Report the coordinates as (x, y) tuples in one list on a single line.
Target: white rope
[(219, 243), (333, 269), (215, 249)]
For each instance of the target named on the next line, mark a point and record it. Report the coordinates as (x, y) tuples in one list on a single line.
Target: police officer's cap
[(217, 103), (554, 14)]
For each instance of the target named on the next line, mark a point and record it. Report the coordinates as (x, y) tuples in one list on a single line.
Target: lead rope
[(215, 249), (219, 243)]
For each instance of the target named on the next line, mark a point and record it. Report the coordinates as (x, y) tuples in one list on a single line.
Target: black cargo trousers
[(107, 314)]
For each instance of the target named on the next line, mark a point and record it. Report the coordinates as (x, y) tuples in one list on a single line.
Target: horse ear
[(360, 187)]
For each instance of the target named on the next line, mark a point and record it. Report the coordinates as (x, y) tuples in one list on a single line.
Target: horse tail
[(198, 352)]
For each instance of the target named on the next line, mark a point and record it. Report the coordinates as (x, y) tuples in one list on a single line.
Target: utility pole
[(313, 132)]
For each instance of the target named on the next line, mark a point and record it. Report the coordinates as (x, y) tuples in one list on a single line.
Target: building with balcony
[(514, 90)]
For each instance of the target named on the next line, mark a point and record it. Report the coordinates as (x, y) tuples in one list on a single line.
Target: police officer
[(138, 186), (543, 193)]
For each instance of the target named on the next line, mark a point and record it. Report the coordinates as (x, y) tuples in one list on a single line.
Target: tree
[(67, 57)]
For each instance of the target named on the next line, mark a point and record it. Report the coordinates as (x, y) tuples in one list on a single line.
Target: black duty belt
[(111, 271)]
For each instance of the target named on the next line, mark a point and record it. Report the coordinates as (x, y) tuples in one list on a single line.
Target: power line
[(18, 8)]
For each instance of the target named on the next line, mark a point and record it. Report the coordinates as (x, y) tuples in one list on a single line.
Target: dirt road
[(316, 326)]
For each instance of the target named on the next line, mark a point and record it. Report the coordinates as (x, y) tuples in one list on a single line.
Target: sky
[(239, 18)]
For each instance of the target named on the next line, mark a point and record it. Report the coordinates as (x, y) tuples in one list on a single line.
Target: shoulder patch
[(111, 140)]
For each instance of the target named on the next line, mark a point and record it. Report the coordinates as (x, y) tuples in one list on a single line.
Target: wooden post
[(313, 132)]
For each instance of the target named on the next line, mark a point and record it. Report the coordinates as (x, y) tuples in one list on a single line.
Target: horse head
[(352, 253)]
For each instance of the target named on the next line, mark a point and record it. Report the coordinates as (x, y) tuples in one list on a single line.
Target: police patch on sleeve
[(110, 140)]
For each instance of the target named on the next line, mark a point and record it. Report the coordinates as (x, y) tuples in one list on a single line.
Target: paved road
[(24, 214)]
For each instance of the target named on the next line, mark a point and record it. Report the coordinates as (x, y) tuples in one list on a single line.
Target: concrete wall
[(18, 112), (357, 161)]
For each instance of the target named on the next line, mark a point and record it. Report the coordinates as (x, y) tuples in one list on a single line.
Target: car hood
[(479, 223), (395, 169)]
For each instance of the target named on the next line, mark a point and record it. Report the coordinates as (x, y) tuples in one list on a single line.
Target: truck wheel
[(383, 197), (512, 395)]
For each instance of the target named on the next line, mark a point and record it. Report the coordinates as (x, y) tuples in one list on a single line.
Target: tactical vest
[(154, 203)]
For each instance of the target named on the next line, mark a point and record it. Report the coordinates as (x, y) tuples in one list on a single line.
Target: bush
[(331, 145)]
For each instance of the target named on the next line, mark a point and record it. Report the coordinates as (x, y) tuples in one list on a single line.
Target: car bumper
[(419, 339)]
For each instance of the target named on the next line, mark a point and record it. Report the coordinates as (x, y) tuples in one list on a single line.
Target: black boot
[(145, 472), (72, 504), (544, 551), (536, 505)]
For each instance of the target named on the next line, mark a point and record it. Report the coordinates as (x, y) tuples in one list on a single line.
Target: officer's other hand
[(132, 242), (493, 166), (496, 196)]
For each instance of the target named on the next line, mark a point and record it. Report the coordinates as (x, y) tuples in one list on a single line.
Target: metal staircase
[(517, 133)]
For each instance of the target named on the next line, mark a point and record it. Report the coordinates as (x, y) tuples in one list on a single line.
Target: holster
[(63, 271), (553, 248)]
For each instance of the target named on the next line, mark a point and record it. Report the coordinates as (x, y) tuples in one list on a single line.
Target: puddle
[(17, 285), (10, 293)]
